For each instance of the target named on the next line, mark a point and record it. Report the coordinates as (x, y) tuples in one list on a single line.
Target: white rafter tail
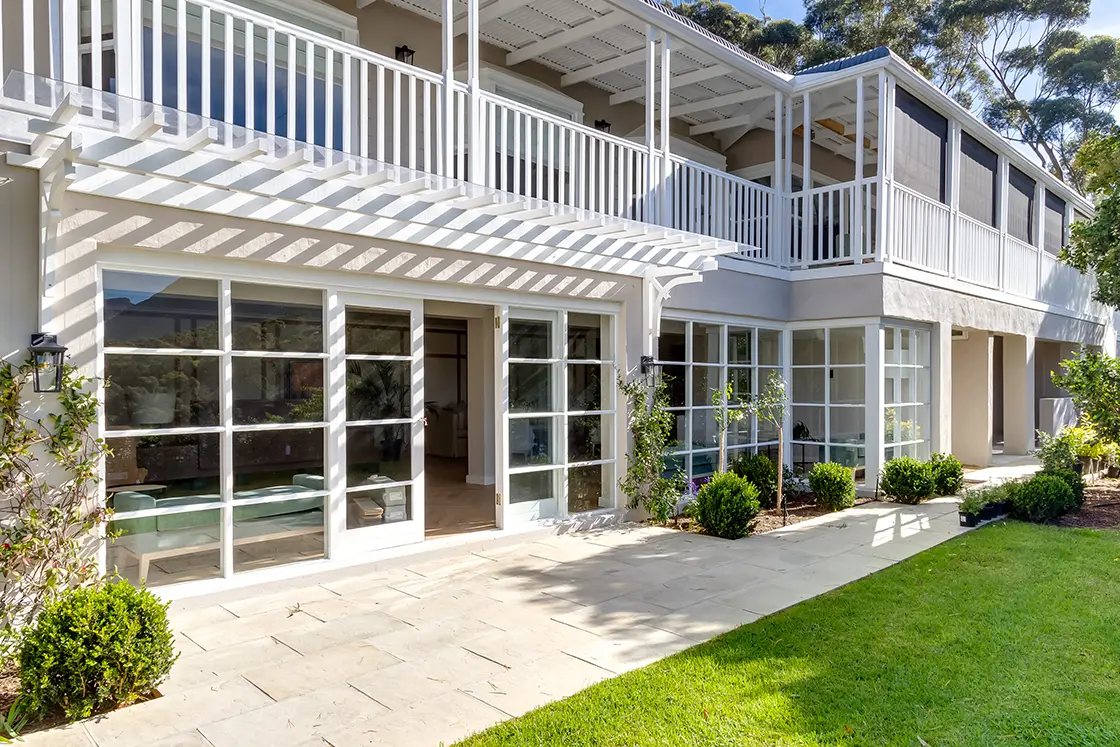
[(247, 152), (66, 110), (532, 214), (336, 169), (473, 203), (204, 138), (504, 208), (410, 187), (291, 161), (588, 224), (66, 151), (153, 123), (372, 179), (446, 195), (562, 220), (47, 127)]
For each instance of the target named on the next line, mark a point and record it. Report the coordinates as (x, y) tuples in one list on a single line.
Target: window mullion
[(225, 321)]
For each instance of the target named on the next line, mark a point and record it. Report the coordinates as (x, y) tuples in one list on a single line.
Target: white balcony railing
[(235, 65), (980, 254), (829, 225)]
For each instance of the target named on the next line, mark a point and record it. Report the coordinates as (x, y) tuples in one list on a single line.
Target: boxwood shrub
[(1044, 497), (832, 485), (95, 648), (762, 473), (1071, 478), (907, 480), (948, 474), (726, 506)]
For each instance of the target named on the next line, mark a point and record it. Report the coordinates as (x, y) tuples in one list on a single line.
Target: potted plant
[(972, 509)]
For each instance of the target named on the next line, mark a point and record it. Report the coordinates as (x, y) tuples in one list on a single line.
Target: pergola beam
[(740, 97), (628, 59)]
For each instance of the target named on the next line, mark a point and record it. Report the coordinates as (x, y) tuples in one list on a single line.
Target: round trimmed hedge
[(1045, 497), (948, 474), (832, 485), (726, 506), (907, 480)]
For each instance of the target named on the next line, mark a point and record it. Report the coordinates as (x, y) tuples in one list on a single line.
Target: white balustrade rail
[(717, 204), (1020, 268), (824, 226), (976, 256), (540, 155), (919, 231)]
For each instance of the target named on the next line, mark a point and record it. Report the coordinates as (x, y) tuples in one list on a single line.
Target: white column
[(447, 126), (886, 155), (806, 180), (477, 157), (1039, 232), (666, 132), (881, 168), (651, 102), (786, 362), (777, 210), (787, 184), (127, 38), (941, 388), (972, 398), (874, 400), (857, 242), (225, 399), (1018, 394), (501, 414), (334, 313), (952, 186), (1001, 216)]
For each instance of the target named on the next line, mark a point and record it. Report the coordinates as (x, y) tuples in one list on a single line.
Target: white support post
[(651, 100), (777, 183), (1039, 233), (787, 183), (225, 398), (952, 185), (874, 338), (941, 388), (787, 374), (881, 168), (127, 37), (806, 180), (501, 400), (857, 241), (334, 321), (447, 126), (666, 175), (474, 83), (66, 57), (1001, 211)]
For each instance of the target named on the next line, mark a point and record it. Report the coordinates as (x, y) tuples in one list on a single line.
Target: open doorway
[(459, 416)]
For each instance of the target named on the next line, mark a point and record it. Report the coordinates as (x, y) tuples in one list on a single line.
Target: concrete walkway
[(434, 650)]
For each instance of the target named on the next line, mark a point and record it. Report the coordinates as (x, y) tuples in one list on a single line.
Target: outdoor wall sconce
[(47, 356), (405, 55), (602, 125), (646, 364)]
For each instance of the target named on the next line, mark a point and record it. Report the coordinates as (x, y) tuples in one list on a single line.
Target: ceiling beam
[(739, 97), (724, 124), (608, 20), (488, 13), (696, 76), (607, 66)]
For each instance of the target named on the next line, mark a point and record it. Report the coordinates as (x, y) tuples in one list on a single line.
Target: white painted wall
[(972, 398)]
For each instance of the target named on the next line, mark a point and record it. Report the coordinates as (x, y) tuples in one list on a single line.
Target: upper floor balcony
[(612, 108)]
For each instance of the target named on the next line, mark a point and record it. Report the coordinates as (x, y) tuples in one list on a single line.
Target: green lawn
[(1009, 635)]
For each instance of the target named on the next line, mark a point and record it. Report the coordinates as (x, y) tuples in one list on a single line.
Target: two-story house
[(363, 274)]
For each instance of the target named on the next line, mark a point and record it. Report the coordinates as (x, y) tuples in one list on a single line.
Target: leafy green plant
[(48, 476), (948, 474), (1071, 478), (1056, 452), (726, 411), (1045, 497), (974, 503), (93, 648), (1093, 379), (832, 485), (762, 473), (726, 506), (907, 480), (770, 406), (646, 483)]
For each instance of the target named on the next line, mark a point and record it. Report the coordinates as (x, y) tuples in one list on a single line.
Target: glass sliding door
[(384, 412), (561, 434)]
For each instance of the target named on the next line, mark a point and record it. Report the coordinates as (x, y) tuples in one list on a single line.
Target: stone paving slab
[(430, 650)]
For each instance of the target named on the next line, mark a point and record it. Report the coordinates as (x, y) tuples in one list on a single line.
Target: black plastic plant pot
[(989, 512), (969, 520)]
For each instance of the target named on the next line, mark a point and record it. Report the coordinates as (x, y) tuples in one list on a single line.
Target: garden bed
[(801, 508), (1101, 509)]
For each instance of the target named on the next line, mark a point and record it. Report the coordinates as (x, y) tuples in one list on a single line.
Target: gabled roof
[(846, 62)]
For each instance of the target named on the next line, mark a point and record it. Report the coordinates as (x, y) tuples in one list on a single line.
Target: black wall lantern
[(48, 356), (646, 364), (405, 55), (602, 125)]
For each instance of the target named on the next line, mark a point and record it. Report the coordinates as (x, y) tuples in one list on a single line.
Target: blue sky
[(1104, 18)]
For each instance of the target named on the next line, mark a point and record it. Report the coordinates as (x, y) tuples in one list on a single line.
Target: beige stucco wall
[(19, 257), (972, 362)]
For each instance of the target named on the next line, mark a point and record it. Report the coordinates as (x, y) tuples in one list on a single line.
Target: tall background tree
[(1095, 243), (1021, 65)]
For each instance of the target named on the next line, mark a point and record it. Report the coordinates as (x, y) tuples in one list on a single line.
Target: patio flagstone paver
[(432, 649)]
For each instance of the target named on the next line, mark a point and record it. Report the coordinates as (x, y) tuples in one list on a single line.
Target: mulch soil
[(1101, 509), (801, 508)]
